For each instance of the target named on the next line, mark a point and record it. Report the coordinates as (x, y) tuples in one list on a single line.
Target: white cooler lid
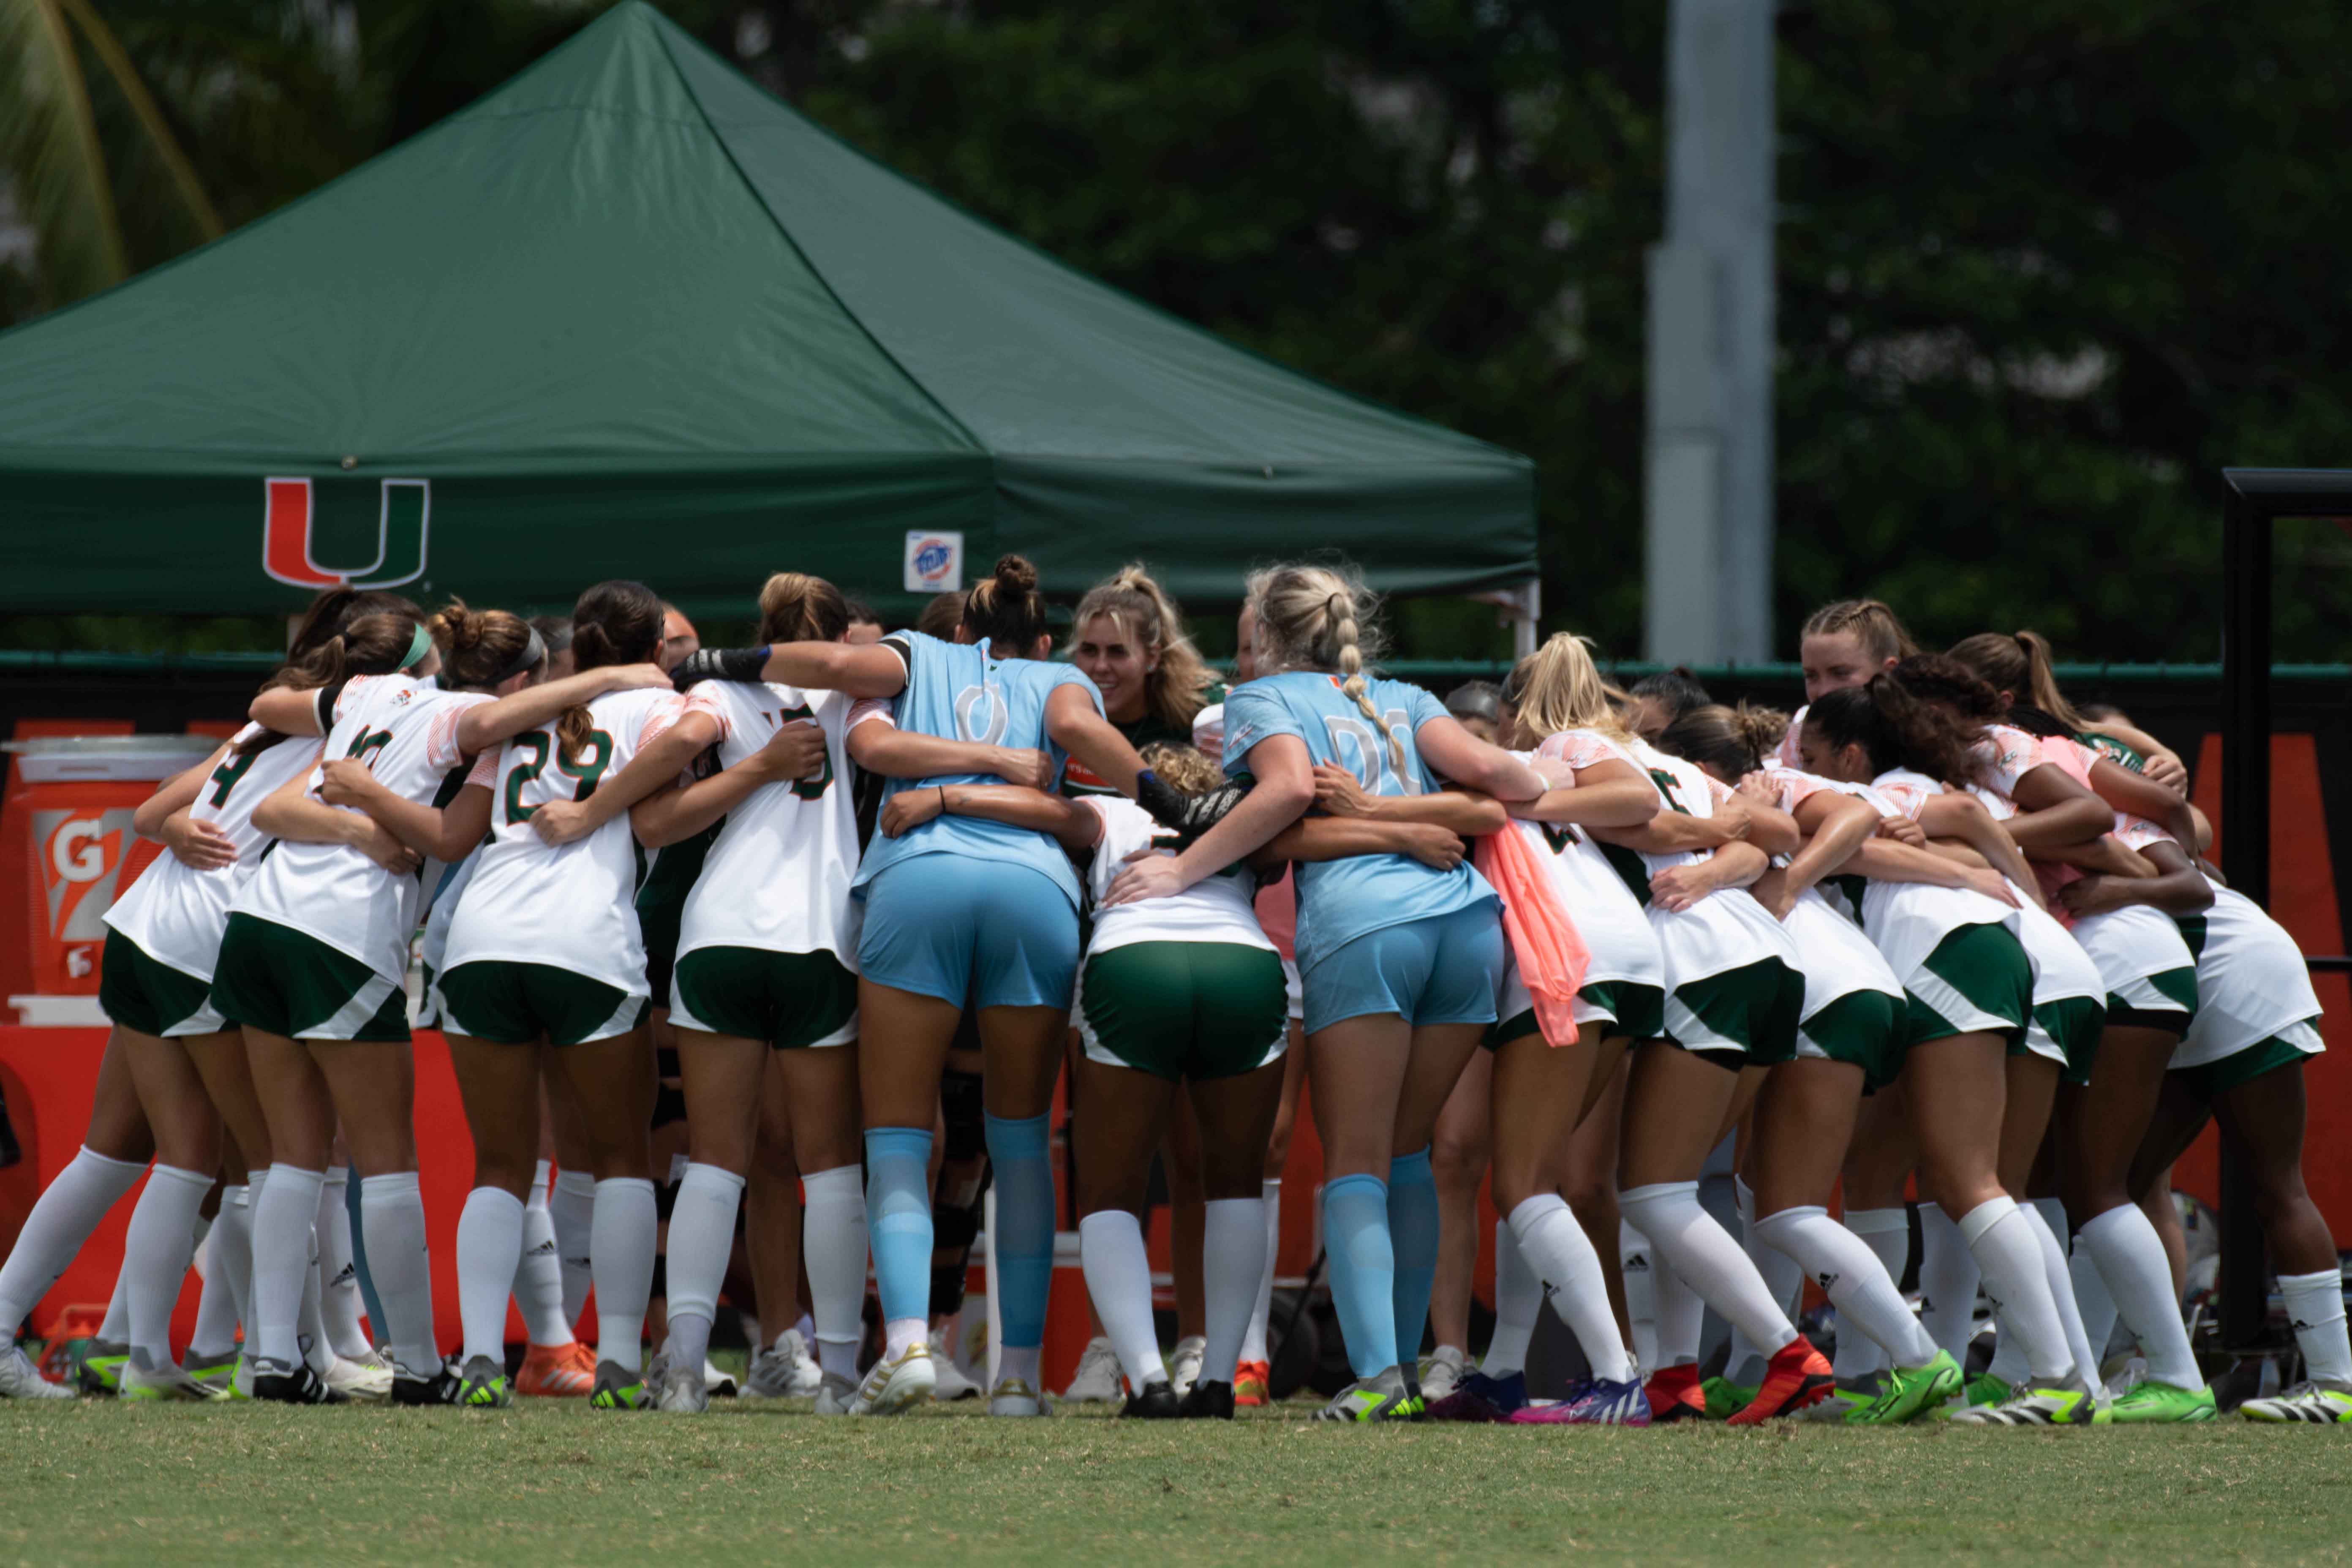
[(65, 758)]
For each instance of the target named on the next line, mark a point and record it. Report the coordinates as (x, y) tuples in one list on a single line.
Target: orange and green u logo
[(402, 518)]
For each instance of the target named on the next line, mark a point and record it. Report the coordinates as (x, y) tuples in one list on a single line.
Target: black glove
[(737, 664)]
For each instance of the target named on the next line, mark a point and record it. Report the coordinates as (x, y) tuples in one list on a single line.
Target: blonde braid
[(1348, 658)]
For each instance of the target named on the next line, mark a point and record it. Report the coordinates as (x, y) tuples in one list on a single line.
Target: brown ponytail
[(376, 643), (1730, 742), (1006, 610), (616, 622), (797, 608)]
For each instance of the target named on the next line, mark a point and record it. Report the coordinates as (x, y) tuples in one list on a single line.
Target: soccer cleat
[(893, 1385), (2152, 1402), (1725, 1398), (1674, 1395), (557, 1372), (1013, 1396), (20, 1379), (483, 1384), (619, 1389), (680, 1391), (1847, 1400), (219, 1371), (100, 1369), (167, 1382), (1184, 1364), (1252, 1383), (836, 1395), (1097, 1380), (297, 1385), (438, 1386), (1984, 1388), (1373, 1400), (806, 1373), (2056, 1402), (1910, 1393), (1443, 1374), (716, 1381), (1592, 1401), (1208, 1400), (366, 1382), (1797, 1375), (771, 1374), (1156, 1402), (1482, 1398), (2312, 1403), (952, 1383)]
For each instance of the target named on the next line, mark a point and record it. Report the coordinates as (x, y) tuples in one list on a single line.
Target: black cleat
[(302, 1385), (442, 1387), (1208, 1401), (1156, 1402)]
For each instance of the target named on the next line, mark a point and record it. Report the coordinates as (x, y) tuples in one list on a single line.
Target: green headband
[(418, 646)]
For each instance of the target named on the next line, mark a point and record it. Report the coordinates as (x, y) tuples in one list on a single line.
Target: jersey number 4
[(233, 768), (595, 756)]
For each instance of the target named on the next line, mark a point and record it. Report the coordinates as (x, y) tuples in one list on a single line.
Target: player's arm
[(1611, 793), (175, 794), (2053, 810), (2163, 764), (486, 724), (1677, 887), (659, 762), (679, 811), (1957, 815), (1074, 825), (1468, 814), (441, 833), (881, 747), (1342, 837), (290, 814), (871, 670), (2177, 889)]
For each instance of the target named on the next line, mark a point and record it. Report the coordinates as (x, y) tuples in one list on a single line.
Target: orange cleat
[(1250, 1384), (557, 1372), (1674, 1395), (1797, 1375)]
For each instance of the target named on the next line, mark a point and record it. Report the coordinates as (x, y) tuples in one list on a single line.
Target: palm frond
[(48, 139), (110, 52)]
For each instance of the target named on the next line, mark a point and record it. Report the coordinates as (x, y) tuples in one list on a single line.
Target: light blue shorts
[(1442, 969), (986, 931)]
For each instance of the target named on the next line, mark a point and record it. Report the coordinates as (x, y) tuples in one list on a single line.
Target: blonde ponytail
[(1318, 617)]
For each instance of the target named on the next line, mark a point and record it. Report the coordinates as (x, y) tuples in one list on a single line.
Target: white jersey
[(405, 731), (574, 906), (2252, 981), (777, 876), (1837, 957), (176, 913), (1214, 909), (1608, 917)]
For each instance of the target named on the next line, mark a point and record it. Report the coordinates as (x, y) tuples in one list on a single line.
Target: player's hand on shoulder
[(796, 750), (1022, 765), (199, 845), (560, 822)]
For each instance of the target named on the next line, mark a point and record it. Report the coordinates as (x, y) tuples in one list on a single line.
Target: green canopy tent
[(632, 316)]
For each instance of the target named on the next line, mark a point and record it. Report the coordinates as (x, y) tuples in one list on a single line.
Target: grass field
[(551, 1482)]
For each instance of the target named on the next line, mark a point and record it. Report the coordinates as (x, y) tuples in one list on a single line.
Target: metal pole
[(2246, 851)]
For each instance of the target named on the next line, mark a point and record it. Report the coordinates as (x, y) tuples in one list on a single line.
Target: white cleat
[(682, 1392), (1446, 1369), (892, 1386), (836, 1395), (1013, 1396), (1184, 1364), (952, 1383), (1097, 1380), (166, 1383), (20, 1379), (717, 1383), (367, 1382), (807, 1376)]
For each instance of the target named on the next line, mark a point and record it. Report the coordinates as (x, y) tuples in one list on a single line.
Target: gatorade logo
[(404, 512), (81, 851)]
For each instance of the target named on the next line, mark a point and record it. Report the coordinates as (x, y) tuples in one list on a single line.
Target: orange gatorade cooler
[(68, 846)]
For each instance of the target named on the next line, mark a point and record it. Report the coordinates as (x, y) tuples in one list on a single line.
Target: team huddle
[(1939, 932)]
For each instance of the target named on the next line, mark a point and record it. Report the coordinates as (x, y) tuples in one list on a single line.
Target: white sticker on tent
[(934, 561)]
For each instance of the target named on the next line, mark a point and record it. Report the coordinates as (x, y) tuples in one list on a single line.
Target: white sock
[(392, 1225), (1232, 1267), (1553, 1248), (2315, 1305), (2009, 1258), (1849, 1274), (2130, 1256), (1518, 1299), (1781, 1275), (620, 1246), (282, 1221), (1947, 1283), (117, 1325), (2048, 1217), (1887, 1234), (1018, 1361), (1119, 1278), (155, 1252), (338, 1275), (833, 1250), (1635, 1266), (311, 1324), (1253, 1343), (898, 1333), (228, 1270), (539, 1278), (69, 1209), (1702, 1254), (702, 1237), (489, 1245), (2091, 1298), (572, 1209)]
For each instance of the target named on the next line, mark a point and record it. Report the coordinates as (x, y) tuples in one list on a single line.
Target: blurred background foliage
[(2043, 269)]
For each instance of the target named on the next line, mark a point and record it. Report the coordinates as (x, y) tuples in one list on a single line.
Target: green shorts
[(1977, 981), (1863, 1028), (1629, 1009), (787, 999), (1184, 1009), (510, 1004), (1749, 1012), (151, 997), (275, 979), (2286, 1048), (2073, 1024), (2166, 1000)]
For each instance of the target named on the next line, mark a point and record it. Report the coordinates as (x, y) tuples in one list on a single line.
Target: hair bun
[(1014, 573)]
